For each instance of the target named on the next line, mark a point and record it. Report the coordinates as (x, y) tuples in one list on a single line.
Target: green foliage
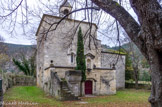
[(26, 65), (145, 76), (80, 59), (144, 63), (129, 75), (116, 51), (128, 65)]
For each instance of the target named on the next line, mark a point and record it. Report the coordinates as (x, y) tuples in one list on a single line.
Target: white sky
[(16, 40), (20, 39)]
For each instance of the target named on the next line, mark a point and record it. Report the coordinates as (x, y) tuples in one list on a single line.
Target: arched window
[(72, 58), (88, 63)]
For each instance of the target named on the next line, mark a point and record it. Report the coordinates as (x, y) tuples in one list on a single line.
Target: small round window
[(66, 11)]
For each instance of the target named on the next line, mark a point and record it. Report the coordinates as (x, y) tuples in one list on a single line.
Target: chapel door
[(88, 87)]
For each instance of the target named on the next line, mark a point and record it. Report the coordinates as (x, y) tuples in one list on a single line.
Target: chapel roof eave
[(47, 15), (113, 53)]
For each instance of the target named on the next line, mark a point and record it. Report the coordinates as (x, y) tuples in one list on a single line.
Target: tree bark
[(136, 76), (156, 90), (149, 15), (147, 36), (136, 83)]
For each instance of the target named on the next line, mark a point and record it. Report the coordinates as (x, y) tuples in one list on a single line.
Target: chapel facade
[(56, 58)]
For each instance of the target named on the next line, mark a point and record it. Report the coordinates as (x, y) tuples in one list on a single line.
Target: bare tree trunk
[(156, 90), (136, 83), (135, 68), (147, 36), (136, 77)]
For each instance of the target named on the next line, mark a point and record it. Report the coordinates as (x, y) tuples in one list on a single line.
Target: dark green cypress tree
[(80, 59)]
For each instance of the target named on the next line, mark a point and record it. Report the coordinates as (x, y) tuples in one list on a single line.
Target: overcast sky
[(28, 40), (16, 40)]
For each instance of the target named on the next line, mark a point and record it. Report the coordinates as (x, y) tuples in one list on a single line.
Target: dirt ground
[(76, 104)]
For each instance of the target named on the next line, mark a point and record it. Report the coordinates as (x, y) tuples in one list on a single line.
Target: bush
[(145, 76), (129, 75)]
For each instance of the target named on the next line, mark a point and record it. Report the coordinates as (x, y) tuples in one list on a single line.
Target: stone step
[(72, 93), (67, 95), (69, 98), (65, 89), (68, 91)]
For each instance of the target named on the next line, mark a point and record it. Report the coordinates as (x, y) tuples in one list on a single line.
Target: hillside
[(13, 49), (125, 47)]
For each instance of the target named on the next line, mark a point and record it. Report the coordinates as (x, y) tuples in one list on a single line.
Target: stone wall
[(56, 46), (104, 81), (55, 89), (67, 88), (59, 47), (107, 61), (9, 80), (46, 78), (140, 86), (73, 79)]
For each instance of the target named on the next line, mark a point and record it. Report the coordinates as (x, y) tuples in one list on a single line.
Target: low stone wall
[(24, 80), (55, 89), (9, 80), (140, 86)]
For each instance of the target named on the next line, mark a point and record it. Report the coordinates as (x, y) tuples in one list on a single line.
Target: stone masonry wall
[(67, 88), (107, 61), (10, 80), (104, 81), (58, 45)]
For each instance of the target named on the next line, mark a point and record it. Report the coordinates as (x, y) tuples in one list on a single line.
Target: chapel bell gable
[(65, 8)]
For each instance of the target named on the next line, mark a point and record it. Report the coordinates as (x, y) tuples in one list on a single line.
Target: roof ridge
[(66, 4)]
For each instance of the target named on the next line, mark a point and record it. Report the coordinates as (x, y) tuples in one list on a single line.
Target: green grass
[(136, 96), (30, 94), (36, 95)]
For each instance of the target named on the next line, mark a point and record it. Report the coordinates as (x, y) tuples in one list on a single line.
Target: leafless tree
[(3, 56), (146, 35), (3, 47), (135, 58)]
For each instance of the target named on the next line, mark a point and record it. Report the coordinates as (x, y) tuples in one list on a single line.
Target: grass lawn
[(123, 98), (29, 94)]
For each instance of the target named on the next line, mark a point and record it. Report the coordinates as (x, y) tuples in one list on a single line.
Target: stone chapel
[(56, 59)]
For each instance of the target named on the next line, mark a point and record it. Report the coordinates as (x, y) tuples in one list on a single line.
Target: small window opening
[(88, 63), (72, 58), (66, 12)]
